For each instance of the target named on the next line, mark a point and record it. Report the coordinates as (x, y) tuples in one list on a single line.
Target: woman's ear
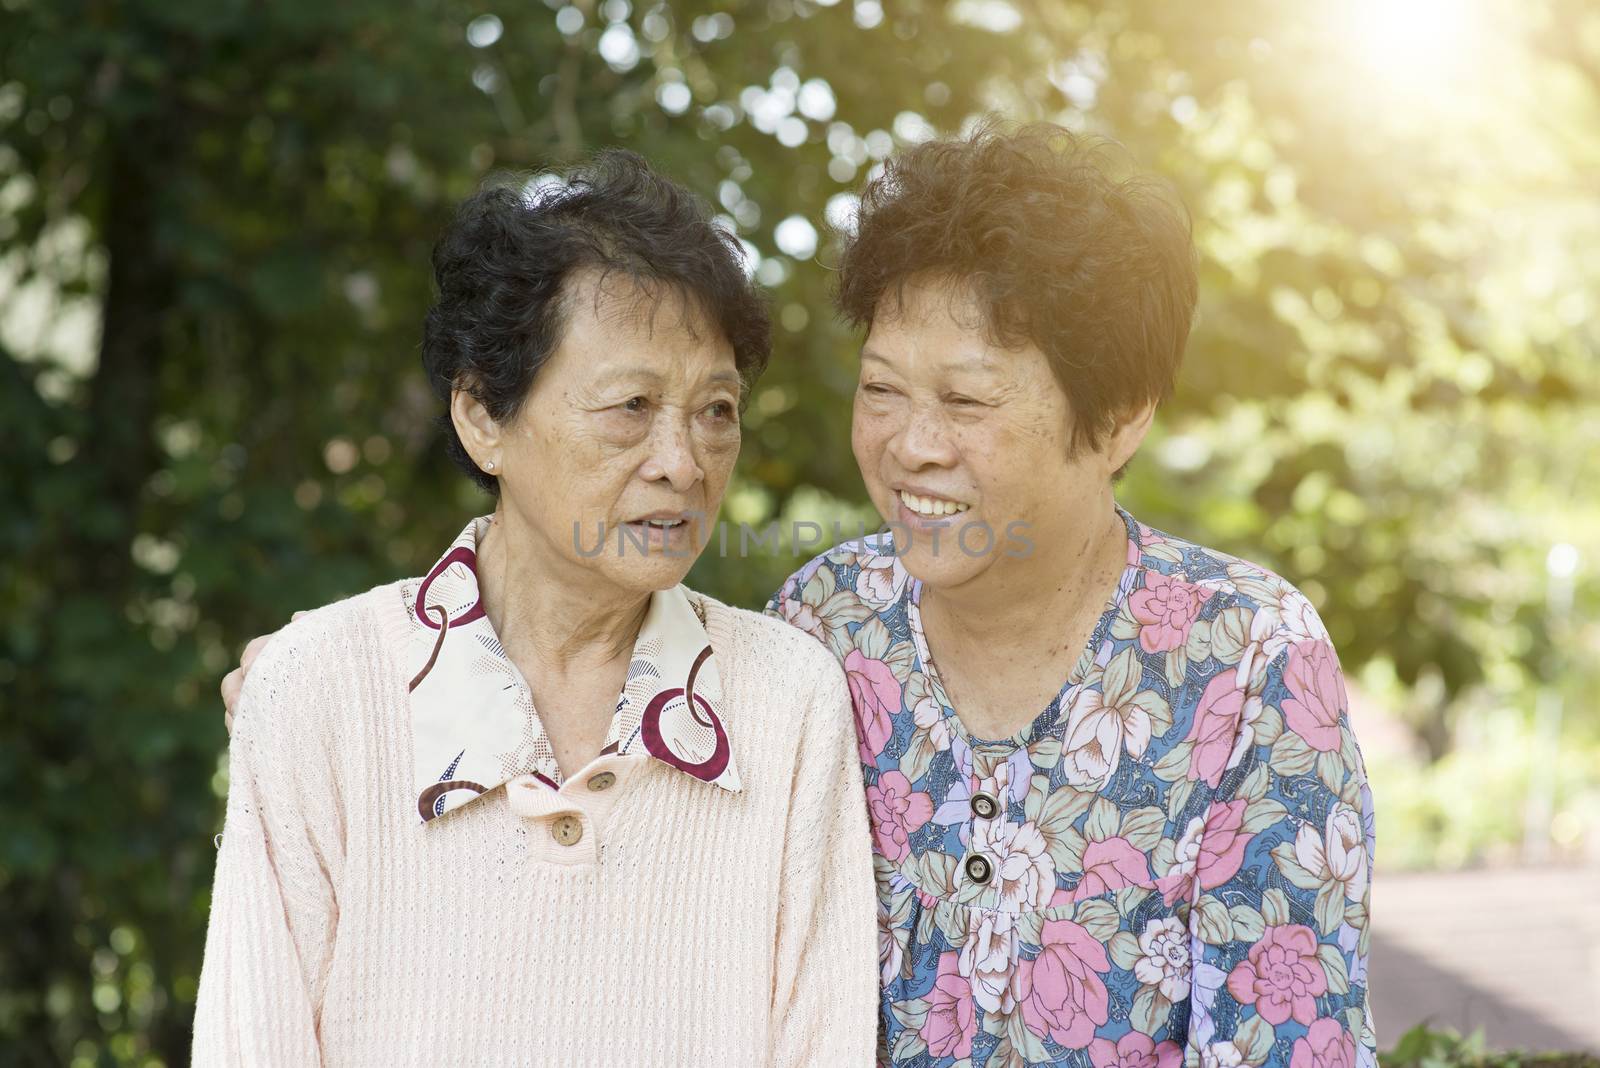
[(479, 433), (1128, 435)]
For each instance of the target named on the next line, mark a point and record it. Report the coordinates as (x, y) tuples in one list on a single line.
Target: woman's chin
[(941, 569), (945, 551), (649, 570)]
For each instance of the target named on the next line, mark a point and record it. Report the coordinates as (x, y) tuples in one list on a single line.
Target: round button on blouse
[(979, 869), (567, 830), (602, 781), (985, 807)]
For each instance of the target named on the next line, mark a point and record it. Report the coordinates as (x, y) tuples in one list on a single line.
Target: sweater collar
[(473, 724)]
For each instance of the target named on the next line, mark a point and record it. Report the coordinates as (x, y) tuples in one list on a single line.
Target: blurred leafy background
[(215, 219)]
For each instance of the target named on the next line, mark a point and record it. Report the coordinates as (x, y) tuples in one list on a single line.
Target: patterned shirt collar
[(473, 724)]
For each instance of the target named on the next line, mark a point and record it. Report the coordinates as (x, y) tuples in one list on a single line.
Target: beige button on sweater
[(685, 924)]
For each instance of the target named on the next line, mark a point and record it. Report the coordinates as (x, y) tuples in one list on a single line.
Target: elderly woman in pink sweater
[(544, 804)]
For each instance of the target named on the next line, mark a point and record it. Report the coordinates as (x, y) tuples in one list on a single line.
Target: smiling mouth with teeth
[(932, 507)]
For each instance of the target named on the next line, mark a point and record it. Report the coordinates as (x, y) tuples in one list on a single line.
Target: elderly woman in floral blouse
[(1118, 807), (1120, 816)]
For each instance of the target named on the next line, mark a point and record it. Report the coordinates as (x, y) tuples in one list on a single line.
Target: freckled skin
[(939, 405), (942, 408)]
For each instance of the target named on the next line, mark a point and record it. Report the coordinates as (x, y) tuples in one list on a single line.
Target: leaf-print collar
[(473, 724)]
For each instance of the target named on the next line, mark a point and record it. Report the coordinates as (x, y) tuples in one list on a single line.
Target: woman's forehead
[(596, 355), (634, 305), (947, 347), (619, 321)]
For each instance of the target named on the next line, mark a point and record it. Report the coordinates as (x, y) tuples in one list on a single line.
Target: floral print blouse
[(1169, 865)]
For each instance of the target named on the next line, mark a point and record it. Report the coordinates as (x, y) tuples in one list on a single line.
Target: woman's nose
[(672, 457), (923, 441)]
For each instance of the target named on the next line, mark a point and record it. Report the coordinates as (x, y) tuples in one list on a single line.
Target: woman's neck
[(542, 608), (1030, 604)]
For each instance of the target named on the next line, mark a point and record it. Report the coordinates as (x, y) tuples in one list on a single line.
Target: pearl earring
[(489, 464)]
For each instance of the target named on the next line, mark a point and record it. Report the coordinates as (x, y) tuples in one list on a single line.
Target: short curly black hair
[(1059, 243), (503, 267)]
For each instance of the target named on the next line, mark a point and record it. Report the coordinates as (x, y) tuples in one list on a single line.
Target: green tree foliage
[(216, 218), (1424, 1048)]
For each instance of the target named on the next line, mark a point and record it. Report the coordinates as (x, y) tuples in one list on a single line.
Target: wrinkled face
[(618, 460), (965, 447)]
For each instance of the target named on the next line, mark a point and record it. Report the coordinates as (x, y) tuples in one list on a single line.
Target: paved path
[(1515, 951)]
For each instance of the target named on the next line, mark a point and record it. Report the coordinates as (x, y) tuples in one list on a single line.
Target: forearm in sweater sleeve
[(825, 995), (273, 913)]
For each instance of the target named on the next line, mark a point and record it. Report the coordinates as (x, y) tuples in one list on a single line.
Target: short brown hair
[(1094, 266)]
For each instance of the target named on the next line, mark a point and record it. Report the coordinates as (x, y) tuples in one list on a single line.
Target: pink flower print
[(1316, 698), (1326, 1045), (875, 695), (1134, 1050), (897, 812), (1062, 993), (1166, 609), (1222, 844), (1111, 865), (1216, 723), (1024, 874), (1282, 976), (1211, 850), (1287, 620), (880, 579), (952, 1018)]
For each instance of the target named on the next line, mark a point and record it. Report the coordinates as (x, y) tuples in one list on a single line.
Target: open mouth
[(659, 530), (931, 507)]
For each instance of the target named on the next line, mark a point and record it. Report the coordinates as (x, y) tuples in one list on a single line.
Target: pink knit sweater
[(697, 926)]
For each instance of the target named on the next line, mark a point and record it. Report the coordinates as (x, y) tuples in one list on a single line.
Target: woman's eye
[(965, 402), (877, 389), (635, 404), (721, 410)]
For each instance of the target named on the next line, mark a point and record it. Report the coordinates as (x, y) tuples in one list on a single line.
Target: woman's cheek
[(717, 453), (870, 431), (723, 435)]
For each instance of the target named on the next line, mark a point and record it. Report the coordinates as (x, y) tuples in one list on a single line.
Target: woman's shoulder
[(745, 639), (783, 690), (305, 667), (866, 571), (356, 619), (1247, 596)]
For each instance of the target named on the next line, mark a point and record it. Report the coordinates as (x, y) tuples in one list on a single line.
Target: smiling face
[(632, 426), (964, 444)]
